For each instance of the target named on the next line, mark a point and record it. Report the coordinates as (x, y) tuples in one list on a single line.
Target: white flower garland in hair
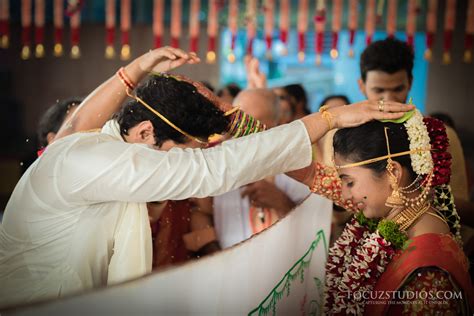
[(419, 138)]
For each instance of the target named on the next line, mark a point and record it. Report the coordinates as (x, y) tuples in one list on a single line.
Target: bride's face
[(367, 189)]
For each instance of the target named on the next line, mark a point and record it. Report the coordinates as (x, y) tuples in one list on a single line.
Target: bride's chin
[(367, 213)]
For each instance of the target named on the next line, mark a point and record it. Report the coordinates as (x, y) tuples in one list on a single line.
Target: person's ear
[(362, 86), (397, 171), (143, 132)]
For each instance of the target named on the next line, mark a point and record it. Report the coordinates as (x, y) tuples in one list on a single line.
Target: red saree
[(431, 263), (168, 244)]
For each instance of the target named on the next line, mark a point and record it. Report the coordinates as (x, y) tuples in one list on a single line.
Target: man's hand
[(265, 194), (166, 58)]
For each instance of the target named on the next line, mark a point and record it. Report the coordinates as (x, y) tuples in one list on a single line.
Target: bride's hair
[(368, 141)]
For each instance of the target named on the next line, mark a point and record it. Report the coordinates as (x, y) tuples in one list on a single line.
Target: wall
[(451, 87)]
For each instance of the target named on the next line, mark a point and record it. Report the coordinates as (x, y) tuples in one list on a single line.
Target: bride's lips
[(360, 206)]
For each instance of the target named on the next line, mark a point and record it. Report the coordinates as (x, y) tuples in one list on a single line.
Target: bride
[(401, 252)]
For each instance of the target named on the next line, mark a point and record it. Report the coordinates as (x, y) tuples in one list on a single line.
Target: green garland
[(388, 229)]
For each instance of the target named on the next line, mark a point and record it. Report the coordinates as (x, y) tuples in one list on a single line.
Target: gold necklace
[(408, 216)]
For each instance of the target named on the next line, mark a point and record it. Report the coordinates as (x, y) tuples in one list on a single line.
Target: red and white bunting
[(233, 27), (251, 21), (370, 21), (392, 13), (469, 37), (449, 23), (431, 20), (412, 12), (194, 11), (109, 29), (4, 23), (319, 24), (175, 27), (25, 28), (336, 27), (158, 16), (212, 28), (269, 7), (58, 21), (352, 24), (125, 25), (302, 27), (39, 28)]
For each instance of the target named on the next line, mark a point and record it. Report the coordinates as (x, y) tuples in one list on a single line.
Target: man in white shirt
[(240, 213), (77, 218)]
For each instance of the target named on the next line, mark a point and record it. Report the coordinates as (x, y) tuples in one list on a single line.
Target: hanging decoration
[(175, 27), (370, 20), (379, 12), (449, 22), (469, 37), (194, 25), (336, 27), (109, 29), (212, 28), (125, 24), (302, 27), (74, 6), (158, 14), (319, 24), (431, 20), (268, 9), (73, 11), (25, 28), (251, 22), (352, 24), (392, 18), (233, 27), (4, 23), (39, 28), (58, 21), (411, 21), (284, 24)]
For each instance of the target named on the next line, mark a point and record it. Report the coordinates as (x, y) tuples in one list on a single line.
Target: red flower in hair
[(439, 146)]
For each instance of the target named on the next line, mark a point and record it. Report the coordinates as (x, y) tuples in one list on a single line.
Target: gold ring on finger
[(381, 105)]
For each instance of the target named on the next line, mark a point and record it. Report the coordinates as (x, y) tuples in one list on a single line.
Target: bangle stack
[(125, 79), (243, 124)]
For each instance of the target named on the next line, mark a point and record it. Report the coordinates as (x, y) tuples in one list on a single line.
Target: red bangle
[(125, 80)]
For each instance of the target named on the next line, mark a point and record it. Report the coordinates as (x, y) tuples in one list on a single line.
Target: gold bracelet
[(327, 115)]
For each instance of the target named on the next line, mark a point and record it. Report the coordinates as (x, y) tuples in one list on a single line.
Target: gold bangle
[(232, 111), (327, 115)]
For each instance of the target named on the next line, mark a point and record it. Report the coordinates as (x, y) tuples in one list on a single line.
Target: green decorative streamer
[(298, 269)]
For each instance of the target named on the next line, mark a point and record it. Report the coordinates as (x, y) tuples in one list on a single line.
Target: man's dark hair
[(180, 103), (367, 141), (54, 117), (298, 93), (389, 55), (335, 96), (233, 89)]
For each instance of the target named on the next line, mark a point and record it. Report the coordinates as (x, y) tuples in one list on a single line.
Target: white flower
[(421, 162)]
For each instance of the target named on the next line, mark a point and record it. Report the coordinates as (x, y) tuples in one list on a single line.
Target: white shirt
[(231, 210), (63, 218)]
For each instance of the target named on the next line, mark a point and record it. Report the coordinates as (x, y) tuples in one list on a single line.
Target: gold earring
[(396, 198)]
